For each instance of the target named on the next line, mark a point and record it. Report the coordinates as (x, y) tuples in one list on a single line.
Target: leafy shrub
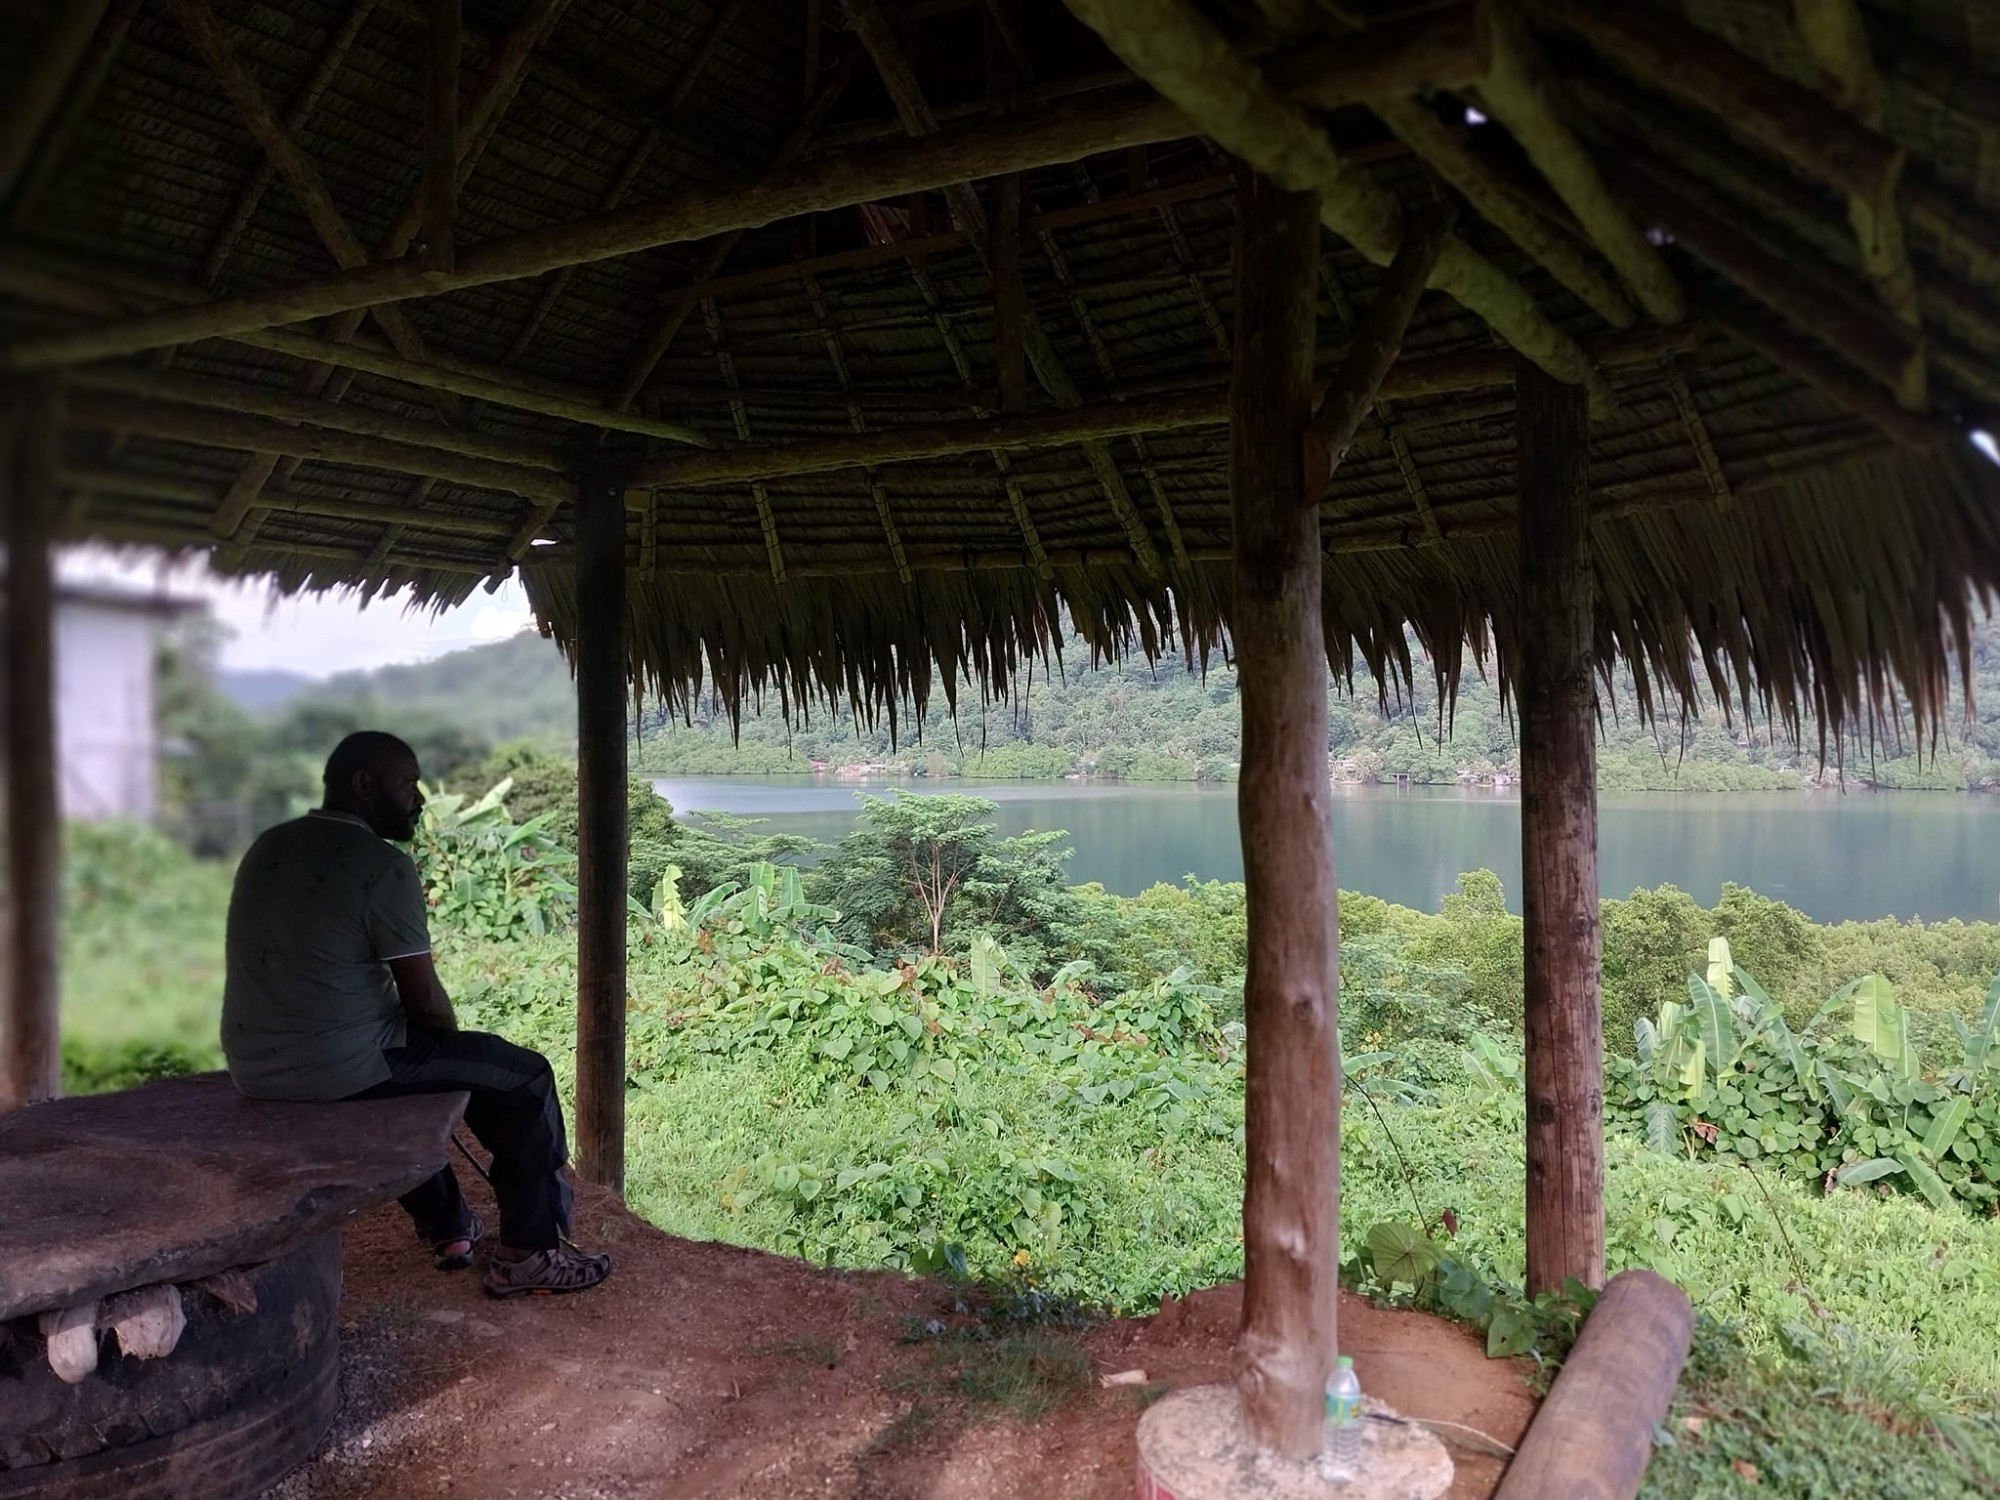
[(1726, 1074), (486, 876), (98, 1068)]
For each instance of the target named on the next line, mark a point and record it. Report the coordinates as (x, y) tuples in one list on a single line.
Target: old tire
[(242, 1398)]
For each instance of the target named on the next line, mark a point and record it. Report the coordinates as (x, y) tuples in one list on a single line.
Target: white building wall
[(106, 742)]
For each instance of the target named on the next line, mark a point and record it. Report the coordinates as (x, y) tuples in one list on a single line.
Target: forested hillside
[(1131, 720)]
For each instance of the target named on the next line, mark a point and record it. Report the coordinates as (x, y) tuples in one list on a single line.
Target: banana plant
[(1978, 1041)]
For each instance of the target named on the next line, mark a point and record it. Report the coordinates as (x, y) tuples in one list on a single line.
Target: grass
[(1853, 1354), (1022, 1375)]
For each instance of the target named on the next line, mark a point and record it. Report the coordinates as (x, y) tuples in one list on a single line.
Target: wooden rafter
[(1377, 343), (1810, 297), (439, 190), (723, 245), (39, 96), (1181, 54), (204, 28), (835, 181), (558, 281), (77, 97), (878, 39), (837, 357), (105, 289), (252, 434), (1520, 92), (301, 109), (1837, 37), (1444, 147), (285, 406), (1704, 450), (711, 318), (1139, 413)]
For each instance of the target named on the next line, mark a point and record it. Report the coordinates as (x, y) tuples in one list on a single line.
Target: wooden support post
[(601, 691), (1565, 1045), (1010, 299), (30, 1065), (1291, 1188), (440, 185), (1593, 1435)]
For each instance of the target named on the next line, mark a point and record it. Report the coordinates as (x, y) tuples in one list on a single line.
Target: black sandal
[(447, 1259), (563, 1269)]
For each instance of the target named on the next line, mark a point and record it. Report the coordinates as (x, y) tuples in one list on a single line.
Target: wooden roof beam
[(285, 406), (297, 114), (1019, 144), (37, 99), (78, 94), (1418, 125), (108, 289), (1810, 298), (956, 239), (1680, 58), (1519, 91), (1181, 54), (1035, 346), (132, 485), (1800, 357), (251, 434), (1838, 40), (438, 192), (1429, 376), (647, 360)]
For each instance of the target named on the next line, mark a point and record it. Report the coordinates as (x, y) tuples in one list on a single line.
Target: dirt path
[(705, 1370)]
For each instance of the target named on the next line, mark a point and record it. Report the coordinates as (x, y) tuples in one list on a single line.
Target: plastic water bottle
[(1340, 1450)]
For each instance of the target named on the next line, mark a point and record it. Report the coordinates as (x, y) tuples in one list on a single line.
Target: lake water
[(1835, 857)]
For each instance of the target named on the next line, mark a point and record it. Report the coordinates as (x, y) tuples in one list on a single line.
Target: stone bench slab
[(186, 1177)]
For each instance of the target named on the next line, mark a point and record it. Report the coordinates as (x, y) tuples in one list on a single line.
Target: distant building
[(107, 745)]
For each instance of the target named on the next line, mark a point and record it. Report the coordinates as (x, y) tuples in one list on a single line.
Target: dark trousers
[(514, 1113)]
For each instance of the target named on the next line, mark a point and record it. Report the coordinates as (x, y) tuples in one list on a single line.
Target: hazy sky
[(315, 634)]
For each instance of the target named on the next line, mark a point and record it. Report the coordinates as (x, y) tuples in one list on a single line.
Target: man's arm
[(422, 992)]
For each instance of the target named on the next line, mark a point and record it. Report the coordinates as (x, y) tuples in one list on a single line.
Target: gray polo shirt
[(321, 904)]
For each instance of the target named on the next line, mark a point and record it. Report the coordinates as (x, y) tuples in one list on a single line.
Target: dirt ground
[(706, 1370)]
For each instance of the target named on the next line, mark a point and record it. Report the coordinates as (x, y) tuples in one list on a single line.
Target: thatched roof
[(1780, 453)]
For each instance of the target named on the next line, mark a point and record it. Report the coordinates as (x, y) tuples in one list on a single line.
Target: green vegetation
[(1039, 1088), (1135, 721)]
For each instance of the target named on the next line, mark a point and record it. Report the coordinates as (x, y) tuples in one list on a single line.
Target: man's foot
[(514, 1274), (456, 1254)]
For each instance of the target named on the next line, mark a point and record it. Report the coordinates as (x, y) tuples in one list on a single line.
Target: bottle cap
[(1345, 1362)]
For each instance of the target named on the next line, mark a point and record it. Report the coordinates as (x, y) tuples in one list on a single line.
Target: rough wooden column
[(1565, 1060), (1292, 1109), (30, 1068), (601, 687)]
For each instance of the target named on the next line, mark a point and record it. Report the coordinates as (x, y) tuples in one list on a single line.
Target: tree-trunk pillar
[(1292, 1105), (30, 1058), (1565, 1045), (601, 689)]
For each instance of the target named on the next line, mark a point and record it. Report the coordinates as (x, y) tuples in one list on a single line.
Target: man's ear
[(362, 784)]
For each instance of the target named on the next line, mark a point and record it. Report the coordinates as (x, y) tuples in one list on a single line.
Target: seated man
[(331, 994)]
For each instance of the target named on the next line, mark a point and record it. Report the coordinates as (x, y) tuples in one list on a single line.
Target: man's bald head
[(374, 776)]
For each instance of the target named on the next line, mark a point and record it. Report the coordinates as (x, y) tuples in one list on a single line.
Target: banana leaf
[(1721, 968), (1945, 1126), (1717, 1024), (1856, 1173), (1879, 1025), (1928, 1182), (1771, 1021)]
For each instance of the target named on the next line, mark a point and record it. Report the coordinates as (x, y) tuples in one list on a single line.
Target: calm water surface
[(1933, 855)]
